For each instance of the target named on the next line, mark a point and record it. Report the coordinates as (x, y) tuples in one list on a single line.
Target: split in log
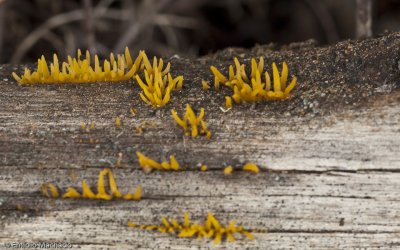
[(329, 156)]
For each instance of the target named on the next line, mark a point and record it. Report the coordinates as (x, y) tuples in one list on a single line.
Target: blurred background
[(191, 28)]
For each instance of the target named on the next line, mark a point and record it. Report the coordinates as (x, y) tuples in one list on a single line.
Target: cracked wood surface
[(330, 171)]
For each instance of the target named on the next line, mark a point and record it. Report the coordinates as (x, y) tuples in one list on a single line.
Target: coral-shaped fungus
[(190, 123), (251, 88), (78, 70), (149, 164), (211, 228), (159, 83), (87, 193)]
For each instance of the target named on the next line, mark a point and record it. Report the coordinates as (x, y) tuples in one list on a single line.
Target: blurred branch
[(89, 26), (363, 18), (325, 18), (56, 42), (52, 23), (175, 21), (148, 9)]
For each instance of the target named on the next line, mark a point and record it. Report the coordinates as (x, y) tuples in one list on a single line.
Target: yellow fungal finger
[(128, 57), (204, 168), (254, 68), (178, 120), (228, 102), (251, 167), (261, 64), (53, 190), (228, 170), (71, 193), (277, 80), (186, 222), (201, 115), (138, 194), (216, 83), (113, 186), (290, 86), (218, 74), (118, 122), (145, 162), (16, 77), (284, 75), (86, 191), (205, 85), (174, 163)]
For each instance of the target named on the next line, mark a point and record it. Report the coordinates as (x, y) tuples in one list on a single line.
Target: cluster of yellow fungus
[(49, 190), (159, 82), (149, 164), (190, 123), (211, 228), (251, 88), (78, 70), (156, 90)]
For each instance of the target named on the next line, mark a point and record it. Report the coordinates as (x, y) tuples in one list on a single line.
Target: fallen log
[(330, 155)]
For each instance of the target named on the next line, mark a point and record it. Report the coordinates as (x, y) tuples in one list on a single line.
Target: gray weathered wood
[(330, 171)]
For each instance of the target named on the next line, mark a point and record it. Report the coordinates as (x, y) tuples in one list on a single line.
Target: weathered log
[(330, 156)]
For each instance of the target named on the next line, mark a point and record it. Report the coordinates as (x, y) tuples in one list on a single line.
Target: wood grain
[(330, 171)]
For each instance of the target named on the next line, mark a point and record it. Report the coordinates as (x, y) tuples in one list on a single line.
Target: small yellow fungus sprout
[(205, 85), (211, 228), (78, 70), (190, 123), (159, 83), (228, 102), (133, 111), (87, 192), (251, 167), (203, 168), (53, 190), (228, 170), (83, 126), (149, 164), (92, 125), (251, 88), (118, 122)]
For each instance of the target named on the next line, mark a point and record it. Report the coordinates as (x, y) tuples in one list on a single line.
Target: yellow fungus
[(135, 196), (251, 167), (158, 84), (87, 192), (252, 88), (83, 126), (211, 228), (78, 70), (71, 193), (133, 111), (148, 164), (92, 125), (218, 74), (205, 85), (228, 102), (190, 123), (53, 190), (118, 122), (204, 168), (228, 170)]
